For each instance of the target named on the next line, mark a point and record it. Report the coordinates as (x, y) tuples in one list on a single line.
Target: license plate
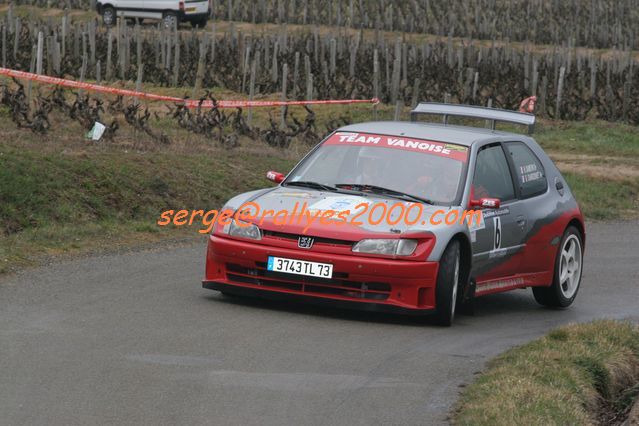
[(300, 267)]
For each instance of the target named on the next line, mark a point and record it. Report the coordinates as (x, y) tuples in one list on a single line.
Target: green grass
[(595, 138), (604, 198), (57, 201), (573, 375)]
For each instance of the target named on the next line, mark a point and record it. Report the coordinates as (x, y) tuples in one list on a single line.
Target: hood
[(299, 211)]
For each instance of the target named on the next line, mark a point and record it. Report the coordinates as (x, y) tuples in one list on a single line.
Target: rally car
[(394, 241)]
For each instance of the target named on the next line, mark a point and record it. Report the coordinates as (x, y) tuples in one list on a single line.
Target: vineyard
[(593, 23), (357, 58)]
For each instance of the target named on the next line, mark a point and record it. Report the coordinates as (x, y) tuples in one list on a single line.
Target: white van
[(171, 12)]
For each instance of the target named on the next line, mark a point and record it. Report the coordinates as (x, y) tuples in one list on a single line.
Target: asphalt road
[(133, 338)]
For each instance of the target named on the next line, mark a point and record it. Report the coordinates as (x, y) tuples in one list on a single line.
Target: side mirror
[(486, 203), (274, 176)]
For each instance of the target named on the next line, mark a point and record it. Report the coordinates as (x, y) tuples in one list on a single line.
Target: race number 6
[(497, 241)]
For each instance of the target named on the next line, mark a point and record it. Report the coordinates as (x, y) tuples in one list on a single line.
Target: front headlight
[(397, 247), (242, 230)]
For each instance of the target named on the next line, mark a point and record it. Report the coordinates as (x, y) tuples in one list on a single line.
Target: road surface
[(133, 338)]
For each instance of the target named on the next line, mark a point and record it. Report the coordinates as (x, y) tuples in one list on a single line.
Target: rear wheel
[(170, 20), (567, 275), (199, 23), (446, 292), (108, 16)]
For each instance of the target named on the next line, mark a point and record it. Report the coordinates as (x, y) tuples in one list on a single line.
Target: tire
[(109, 16), (199, 23), (169, 20), (567, 274), (446, 292)]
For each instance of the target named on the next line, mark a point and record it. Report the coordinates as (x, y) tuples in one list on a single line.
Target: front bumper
[(379, 284)]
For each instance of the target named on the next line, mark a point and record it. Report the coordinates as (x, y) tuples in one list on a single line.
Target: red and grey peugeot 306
[(384, 216)]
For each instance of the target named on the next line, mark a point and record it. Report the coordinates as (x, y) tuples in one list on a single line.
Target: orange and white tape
[(190, 103)]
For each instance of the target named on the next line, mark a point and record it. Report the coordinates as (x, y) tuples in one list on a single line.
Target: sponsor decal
[(497, 212), (529, 173), (459, 153), (474, 226), (337, 204)]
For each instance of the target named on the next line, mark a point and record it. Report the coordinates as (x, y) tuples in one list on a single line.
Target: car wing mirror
[(276, 177), (486, 203)]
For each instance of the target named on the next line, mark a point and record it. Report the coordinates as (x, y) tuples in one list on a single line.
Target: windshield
[(424, 169)]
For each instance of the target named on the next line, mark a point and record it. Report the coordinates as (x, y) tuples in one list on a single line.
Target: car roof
[(461, 135)]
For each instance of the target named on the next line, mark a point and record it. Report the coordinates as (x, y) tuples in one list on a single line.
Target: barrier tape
[(190, 103)]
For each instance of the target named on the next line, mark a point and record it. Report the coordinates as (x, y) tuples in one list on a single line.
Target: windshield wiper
[(385, 191), (311, 184)]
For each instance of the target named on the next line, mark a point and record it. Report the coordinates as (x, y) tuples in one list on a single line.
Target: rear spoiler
[(493, 115)]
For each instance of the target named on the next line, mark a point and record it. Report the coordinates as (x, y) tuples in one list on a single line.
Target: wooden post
[(376, 86), (475, 85), (333, 58), (83, 71), (415, 99), (16, 39), (40, 53), (245, 67), (395, 81), (593, 77), (138, 81), (252, 87), (64, 34), (543, 96), (32, 69), (535, 78), (398, 109), (138, 47), (201, 66), (375, 81), (176, 63), (296, 70), (56, 56), (309, 77), (274, 65), (560, 87), (284, 83), (4, 46), (109, 69), (92, 40)]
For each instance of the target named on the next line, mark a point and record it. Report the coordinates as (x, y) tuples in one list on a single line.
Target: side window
[(492, 175), (531, 177)]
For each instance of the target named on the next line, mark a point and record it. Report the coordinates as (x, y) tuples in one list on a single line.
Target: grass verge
[(81, 199), (577, 374)]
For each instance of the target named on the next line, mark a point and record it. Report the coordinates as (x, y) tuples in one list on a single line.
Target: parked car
[(171, 12), (531, 231)]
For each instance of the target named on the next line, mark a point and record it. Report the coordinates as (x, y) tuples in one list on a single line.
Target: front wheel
[(170, 20), (567, 274), (446, 292), (108, 16)]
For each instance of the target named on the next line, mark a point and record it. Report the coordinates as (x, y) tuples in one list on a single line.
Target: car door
[(497, 242), (533, 203), (131, 8)]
